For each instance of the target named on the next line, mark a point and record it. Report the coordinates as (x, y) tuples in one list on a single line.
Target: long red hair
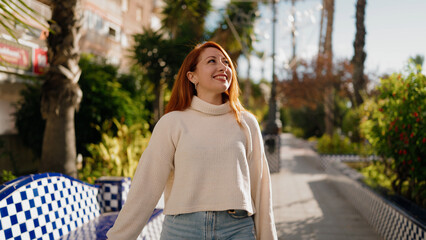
[(183, 90)]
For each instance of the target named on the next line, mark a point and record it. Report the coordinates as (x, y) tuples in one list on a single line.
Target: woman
[(207, 155)]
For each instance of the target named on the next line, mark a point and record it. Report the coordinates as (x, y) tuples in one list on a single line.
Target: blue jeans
[(230, 225)]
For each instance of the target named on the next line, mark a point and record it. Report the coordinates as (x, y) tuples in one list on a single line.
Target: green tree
[(185, 19), (395, 126), (105, 98), (16, 12), (236, 30), (417, 61), (109, 95), (160, 53), (61, 94)]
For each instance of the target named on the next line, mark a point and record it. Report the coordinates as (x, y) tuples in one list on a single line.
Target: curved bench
[(56, 206)]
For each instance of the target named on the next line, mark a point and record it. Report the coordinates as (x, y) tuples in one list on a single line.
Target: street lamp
[(273, 126)]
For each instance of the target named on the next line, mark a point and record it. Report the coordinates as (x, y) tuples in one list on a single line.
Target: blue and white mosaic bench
[(56, 206)]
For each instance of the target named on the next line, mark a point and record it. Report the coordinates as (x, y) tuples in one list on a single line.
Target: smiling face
[(212, 75)]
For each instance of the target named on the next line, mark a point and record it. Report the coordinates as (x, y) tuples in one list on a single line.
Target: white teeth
[(221, 77)]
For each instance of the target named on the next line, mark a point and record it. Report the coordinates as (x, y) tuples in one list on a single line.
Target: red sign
[(40, 61), (15, 55)]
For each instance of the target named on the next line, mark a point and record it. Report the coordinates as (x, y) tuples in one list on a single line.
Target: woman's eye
[(211, 60)]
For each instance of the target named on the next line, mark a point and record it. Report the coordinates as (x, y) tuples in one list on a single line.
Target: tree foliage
[(395, 126), (241, 16), (118, 153), (108, 95)]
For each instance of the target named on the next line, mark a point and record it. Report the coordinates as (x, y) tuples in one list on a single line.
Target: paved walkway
[(306, 206)]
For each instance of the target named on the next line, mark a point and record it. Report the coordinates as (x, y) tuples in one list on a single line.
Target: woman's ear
[(191, 77)]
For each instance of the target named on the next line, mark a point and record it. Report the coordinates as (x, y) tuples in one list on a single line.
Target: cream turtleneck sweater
[(204, 161)]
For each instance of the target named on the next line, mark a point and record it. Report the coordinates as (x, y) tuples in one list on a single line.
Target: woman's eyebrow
[(209, 57)]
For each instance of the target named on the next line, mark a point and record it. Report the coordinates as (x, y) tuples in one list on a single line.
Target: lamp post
[(273, 126)]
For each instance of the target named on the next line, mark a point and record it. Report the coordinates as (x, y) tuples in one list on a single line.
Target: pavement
[(306, 205)]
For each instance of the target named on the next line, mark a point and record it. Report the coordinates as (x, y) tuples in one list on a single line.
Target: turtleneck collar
[(200, 105)]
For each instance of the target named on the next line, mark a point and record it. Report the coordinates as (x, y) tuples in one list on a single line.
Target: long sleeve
[(148, 183), (260, 184)]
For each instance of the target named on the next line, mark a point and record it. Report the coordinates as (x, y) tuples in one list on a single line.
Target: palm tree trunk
[(61, 94), (328, 61), (360, 55)]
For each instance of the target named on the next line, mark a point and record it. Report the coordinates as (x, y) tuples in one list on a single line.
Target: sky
[(396, 30)]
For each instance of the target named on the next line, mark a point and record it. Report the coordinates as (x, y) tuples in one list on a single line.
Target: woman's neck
[(215, 99)]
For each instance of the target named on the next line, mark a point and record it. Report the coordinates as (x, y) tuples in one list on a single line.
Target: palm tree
[(61, 94), (161, 53), (325, 58), (418, 62), (185, 17), (360, 55), (16, 12), (235, 33)]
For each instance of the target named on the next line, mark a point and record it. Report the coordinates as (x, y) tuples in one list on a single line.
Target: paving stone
[(306, 204)]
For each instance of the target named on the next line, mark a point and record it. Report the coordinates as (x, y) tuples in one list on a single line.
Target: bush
[(118, 153), (338, 144), (104, 98), (394, 125)]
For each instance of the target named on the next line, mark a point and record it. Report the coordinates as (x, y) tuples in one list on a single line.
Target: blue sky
[(396, 30)]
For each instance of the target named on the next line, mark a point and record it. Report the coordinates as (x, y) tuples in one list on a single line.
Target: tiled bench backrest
[(112, 193), (46, 206)]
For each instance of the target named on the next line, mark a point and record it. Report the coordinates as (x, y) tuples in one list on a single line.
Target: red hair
[(183, 90)]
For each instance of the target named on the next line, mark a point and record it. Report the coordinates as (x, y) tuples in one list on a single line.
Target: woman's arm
[(148, 183), (260, 184)]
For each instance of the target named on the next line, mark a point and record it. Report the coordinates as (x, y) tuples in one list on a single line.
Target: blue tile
[(23, 195), (18, 207), (36, 223), (52, 196), (23, 227), (43, 230), (32, 204), (47, 218), (17, 238), (35, 191), (32, 234), (43, 200), (56, 214), (8, 233), (55, 187), (51, 236), (54, 225), (9, 200), (27, 214), (13, 219), (4, 212), (39, 211), (49, 206)]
